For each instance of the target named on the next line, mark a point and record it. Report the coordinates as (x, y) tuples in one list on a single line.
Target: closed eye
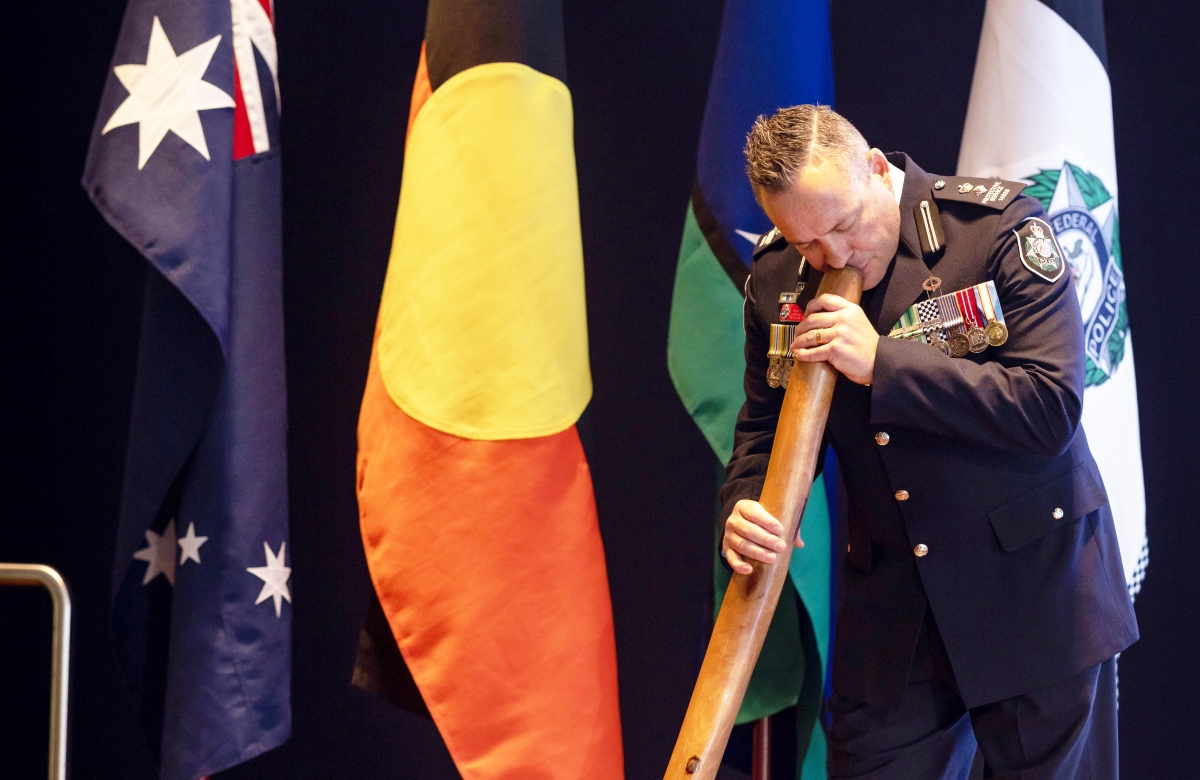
[(849, 222)]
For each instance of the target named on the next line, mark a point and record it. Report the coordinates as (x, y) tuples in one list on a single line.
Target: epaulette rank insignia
[(992, 193), (1039, 249), (929, 226), (766, 241)]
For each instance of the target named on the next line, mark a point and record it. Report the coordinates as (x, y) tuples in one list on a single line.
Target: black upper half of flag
[(460, 34), (1087, 17)]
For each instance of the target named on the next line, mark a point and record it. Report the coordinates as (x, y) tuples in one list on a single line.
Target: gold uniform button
[(1057, 514), (882, 438), (920, 551), (901, 495)]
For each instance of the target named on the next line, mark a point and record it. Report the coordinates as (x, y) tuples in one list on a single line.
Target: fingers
[(747, 550), (751, 534), (821, 319), (754, 534), (826, 302), (737, 564), (754, 512), (817, 337), (740, 551), (816, 354)]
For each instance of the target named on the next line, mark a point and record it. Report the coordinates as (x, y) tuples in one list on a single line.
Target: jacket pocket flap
[(1059, 502)]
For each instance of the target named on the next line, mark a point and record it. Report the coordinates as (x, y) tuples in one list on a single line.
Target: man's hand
[(838, 331), (751, 534)]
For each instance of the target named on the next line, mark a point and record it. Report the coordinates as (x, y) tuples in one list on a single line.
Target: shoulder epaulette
[(991, 193), (768, 240)]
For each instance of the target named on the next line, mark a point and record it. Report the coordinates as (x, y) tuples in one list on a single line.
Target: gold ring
[(819, 341)]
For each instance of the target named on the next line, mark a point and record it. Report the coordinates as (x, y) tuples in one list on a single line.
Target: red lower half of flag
[(487, 560)]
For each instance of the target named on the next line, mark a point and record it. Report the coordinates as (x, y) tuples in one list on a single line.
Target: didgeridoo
[(750, 600)]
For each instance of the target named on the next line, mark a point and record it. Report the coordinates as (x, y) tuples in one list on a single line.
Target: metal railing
[(39, 575)]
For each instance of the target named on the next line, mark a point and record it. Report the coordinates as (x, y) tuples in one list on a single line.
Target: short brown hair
[(781, 145)]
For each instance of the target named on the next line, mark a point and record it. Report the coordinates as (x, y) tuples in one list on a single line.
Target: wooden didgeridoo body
[(750, 600)]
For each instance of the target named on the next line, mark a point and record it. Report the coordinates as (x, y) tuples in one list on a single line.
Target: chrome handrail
[(60, 663)]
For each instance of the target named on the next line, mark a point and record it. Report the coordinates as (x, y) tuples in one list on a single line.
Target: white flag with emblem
[(1041, 111)]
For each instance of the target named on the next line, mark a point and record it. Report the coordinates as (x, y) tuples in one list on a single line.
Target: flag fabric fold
[(770, 55), (184, 163), (475, 497), (1048, 59)]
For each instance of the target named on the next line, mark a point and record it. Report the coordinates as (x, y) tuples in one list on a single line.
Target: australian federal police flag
[(184, 163)]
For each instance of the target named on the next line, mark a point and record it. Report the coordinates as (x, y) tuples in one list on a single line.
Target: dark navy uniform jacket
[(988, 448)]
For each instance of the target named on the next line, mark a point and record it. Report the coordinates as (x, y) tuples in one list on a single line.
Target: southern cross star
[(159, 555), (167, 94), (274, 576), (190, 545)]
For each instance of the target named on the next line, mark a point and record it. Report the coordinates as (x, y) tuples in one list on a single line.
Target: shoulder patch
[(1039, 249), (768, 240), (991, 193)]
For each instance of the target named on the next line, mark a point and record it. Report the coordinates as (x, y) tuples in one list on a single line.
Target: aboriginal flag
[(475, 497)]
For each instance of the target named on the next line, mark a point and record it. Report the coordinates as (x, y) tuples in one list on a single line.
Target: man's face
[(837, 221)]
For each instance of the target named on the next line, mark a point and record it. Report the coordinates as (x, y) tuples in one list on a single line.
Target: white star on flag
[(159, 555), (190, 545), (167, 94), (274, 576)]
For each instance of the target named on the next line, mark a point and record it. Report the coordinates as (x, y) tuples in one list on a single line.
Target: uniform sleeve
[(1026, 396), (755, 432)]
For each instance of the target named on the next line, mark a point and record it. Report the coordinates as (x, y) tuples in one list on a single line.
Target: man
[(984, 591)]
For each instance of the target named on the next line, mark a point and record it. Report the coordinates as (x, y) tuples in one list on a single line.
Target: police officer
[(984, 594)]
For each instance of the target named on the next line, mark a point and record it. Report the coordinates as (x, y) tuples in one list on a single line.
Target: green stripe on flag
[(705, 341)]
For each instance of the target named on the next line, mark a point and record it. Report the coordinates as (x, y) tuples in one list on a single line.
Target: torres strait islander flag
[(1041, 111), (475, 498), (184, 163), (770, 55)]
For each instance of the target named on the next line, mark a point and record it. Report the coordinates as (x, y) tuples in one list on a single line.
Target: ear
[(878, 165)]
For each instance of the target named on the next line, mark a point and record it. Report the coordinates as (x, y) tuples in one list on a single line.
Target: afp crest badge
[(1039, 250)]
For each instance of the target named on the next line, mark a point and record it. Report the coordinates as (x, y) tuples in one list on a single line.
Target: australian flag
[(184, 163)]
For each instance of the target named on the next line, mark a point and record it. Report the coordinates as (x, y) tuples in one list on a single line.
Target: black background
[(639, 74)]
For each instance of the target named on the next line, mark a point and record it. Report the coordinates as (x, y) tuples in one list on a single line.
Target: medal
[(960, 345), (774, 372), (779, 370), (952, 316), (956, 323), (977, 340), (997, 333), (781, 359)]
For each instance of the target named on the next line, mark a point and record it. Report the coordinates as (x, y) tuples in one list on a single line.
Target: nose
[(836, 255)]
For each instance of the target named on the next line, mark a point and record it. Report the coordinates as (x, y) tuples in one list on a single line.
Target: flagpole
[(760, 768)]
